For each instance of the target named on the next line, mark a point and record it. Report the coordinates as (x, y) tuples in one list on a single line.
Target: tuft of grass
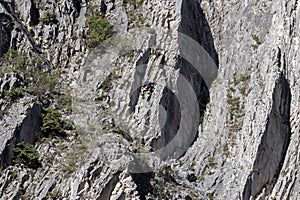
[(13, 175), (106, 85), (257, 41), (210, 196)]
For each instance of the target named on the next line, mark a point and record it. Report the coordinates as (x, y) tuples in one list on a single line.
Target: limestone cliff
[(147, 99)]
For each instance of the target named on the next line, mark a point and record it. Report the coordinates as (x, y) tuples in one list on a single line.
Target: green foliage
[(52, 125), (55, 194), (99, 30), (212, 163), (43, 82), (74, 158), (12, 61), (14, 93), (210, 196), (236, 105), (36, 80), (25, 153), (119, 130), (68, 125), (257, 41), (48, 17), (136, 3), (106, 85), (13, 175), (65, 102)]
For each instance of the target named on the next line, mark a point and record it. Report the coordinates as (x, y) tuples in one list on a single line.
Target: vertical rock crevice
[(77, 6), (25, 129), (6, 27), (172, 119), (195, 27), (34, 14), (274, 143), (139, 75), (143, 182), (109, 187)]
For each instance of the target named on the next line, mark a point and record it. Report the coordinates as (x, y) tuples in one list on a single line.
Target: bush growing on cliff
[(12, 61), (48, 17), (37, 80), (25, 153), (99, 30), (52, 125), (14, 93)]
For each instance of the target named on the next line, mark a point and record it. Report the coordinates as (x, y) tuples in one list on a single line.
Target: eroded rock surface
[(186, 99)]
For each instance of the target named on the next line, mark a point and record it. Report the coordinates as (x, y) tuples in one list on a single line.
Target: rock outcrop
[(185, 99)]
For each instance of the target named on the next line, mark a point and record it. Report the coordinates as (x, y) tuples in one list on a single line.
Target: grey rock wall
[(187, 100), (20, 123)]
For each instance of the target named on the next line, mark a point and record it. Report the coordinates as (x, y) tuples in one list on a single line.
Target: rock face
[(274, 143), (20, 123), (186, 99)]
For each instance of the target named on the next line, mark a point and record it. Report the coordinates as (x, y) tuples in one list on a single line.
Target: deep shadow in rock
[(274, 143), (141, 67), (194, 25), (172, 108), (142, 180), (6, 27)]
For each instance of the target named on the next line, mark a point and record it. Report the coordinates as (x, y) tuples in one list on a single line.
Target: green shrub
[(99, 30), (210, 196), (68, 125), (25, 153), (65, 102), (48, 17), (55, 194), (43, 81), (52, 125), (14, 93), (12, 61), (36, 80)]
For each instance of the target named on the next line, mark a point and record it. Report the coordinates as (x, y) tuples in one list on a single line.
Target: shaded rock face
[(172, 119), (139, 77), (6, 27), (274, 143), (21, 123), (194, 24), (8, 82), (34, 14)]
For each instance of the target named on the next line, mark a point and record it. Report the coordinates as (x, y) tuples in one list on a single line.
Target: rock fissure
[(274, 144)]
